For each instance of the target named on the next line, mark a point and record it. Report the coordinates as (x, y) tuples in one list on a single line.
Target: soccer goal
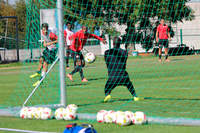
[(167, 83), (9, 43)]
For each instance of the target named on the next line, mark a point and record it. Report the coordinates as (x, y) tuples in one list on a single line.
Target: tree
[(137, 12), (21, 14)]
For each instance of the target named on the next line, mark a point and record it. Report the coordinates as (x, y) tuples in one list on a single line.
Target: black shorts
[(77, 56), (163, 42), (68, 49), (49, 55)]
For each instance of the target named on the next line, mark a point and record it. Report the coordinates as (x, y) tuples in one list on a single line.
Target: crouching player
[(49, 53), (116, 59)]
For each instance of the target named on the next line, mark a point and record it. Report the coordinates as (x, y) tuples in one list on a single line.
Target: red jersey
[(163, 31), (79, 39)]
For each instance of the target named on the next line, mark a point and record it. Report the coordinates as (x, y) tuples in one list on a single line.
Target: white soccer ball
[(100, 116), (140, 118), (69, 115), (72, 107), (38, 112), (122, 119), (59, 113), (23, 112), (46, 114), (90, 57), (108, 116), (31, 112), (131, 116)]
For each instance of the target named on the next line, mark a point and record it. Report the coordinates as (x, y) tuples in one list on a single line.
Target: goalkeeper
[(78, 41), (49, 54), (116, 59)]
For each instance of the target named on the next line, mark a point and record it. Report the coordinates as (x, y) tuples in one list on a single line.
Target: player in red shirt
[(78, 41), (162, 36)]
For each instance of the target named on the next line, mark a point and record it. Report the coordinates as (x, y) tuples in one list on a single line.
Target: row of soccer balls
[(121, 118), (68, 113)]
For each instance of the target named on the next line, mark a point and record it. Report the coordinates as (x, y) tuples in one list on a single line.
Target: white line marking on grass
[(22, 131)]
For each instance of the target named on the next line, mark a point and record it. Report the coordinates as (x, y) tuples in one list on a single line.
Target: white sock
[(43, 73)]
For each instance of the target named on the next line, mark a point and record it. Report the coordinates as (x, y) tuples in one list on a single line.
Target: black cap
[(45, 25)]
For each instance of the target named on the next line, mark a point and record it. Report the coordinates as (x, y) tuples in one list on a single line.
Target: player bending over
[(78, 41), (116, 59), (67, 34), (49, 54)]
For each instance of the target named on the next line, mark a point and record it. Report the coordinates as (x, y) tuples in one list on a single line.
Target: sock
[(159, 56), (43, 73), (67, 61)]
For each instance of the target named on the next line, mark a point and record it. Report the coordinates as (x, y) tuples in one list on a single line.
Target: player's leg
[(43, 73), (131, 89), (38, 72), (82, 64), (73, 55), (46, 59), (67, 57), (108, 88), (166, 45), (160, 43)]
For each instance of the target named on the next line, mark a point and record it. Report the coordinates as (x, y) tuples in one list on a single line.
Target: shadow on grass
[(160, 98), (91, 79), (78, 84), (175, 60), (130, 99)]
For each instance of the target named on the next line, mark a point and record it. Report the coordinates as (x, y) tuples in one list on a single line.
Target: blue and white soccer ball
[(90, 57)]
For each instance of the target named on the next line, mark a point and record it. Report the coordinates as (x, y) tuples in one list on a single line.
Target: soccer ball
[(100, 116), (38, 112), (46, 114), (90, 57), (108, 116), (23, 112), (69, 115), (140, 118), (31, 112), (130, 115), (59, 113), (72, 107), (122, 119)]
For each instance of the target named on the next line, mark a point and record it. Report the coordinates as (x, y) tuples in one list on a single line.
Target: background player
[(162, 36), (78, 41), (67, 34), (116, 59)]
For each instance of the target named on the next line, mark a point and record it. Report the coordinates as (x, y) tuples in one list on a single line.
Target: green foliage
[(21, 14), (136, 14)]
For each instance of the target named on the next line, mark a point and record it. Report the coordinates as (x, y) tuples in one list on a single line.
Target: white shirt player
[(67, 34)]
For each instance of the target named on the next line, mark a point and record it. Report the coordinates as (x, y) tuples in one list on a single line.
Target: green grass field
[(170, 90)]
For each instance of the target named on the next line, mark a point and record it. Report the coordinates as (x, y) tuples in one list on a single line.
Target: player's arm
[(168, 34), (157, 35), (53, 37), (65, 36), (97, 37), (50, 43)]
